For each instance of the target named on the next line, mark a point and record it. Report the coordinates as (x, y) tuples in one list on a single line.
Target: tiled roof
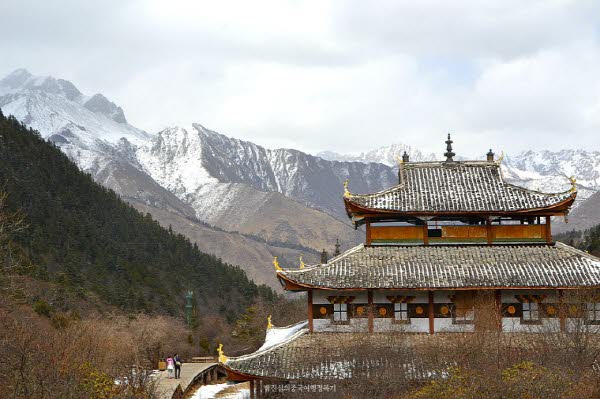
[(331, 356), (453, 266), (475, 186)]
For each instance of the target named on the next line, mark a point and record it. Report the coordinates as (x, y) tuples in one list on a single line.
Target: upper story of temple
[(460, 202)]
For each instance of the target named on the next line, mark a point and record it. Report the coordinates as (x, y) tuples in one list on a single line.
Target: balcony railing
[(521, 233)]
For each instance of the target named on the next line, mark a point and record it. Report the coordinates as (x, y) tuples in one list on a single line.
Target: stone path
[(189, 372)]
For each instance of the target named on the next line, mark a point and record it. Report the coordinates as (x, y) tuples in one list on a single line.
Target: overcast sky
[(317, 75)]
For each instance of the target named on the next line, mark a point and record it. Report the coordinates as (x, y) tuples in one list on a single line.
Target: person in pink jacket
[(170, 367)]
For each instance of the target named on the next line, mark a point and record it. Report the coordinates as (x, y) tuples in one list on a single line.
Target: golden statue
[(500, 158), (269, 324), (301, 263), (276, 264), (346, 191), (222, 357), (573, 184)]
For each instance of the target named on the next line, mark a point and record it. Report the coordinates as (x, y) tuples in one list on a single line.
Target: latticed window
[(531, 311), (593, 309), (340, 312), (401, 311)]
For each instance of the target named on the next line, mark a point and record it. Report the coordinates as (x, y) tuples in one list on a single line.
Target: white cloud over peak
[(337, 75)]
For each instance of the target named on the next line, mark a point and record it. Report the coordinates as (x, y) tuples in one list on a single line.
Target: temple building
[(452, 242)]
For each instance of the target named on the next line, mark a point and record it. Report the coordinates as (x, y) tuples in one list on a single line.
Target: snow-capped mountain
[(545, 171), (191, 162), (387, 155), (235, 184)]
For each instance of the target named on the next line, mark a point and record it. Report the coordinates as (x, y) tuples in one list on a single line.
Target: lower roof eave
[(290, 285), (238, 376)]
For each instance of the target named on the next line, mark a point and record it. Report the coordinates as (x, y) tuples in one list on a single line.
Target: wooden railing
[(458, 234)]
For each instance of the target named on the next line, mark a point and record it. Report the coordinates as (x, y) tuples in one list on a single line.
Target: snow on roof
[(277, 335)]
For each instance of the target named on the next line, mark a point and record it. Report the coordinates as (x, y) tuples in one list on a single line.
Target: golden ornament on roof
[(276, 264), (301, 263), (573, 184), (222, 357), (347, 193), (269, 324), (500, 158)]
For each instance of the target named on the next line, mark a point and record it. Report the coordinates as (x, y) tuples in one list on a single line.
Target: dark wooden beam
[(561, 311), (310, 311), (370, 311), (252, 393), (498, 303), (548, 230), (425, 233), (431, 315), (368, 237), (489, 231)]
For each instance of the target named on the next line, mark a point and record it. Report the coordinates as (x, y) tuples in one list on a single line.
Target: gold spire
[(399, 159), (301, 263), (346, 191), (276, 264), (573, 184), (269, 324), (222, 357)]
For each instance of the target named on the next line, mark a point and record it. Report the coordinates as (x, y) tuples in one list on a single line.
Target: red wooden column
[(425, 232), (488, 230), (498, 303), (370, 311), (310, 311), (548, 230), (561, 311), (252, 393), (431, 316), (368, 237)]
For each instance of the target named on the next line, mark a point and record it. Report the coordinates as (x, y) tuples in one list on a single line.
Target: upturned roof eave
[(355, 210)]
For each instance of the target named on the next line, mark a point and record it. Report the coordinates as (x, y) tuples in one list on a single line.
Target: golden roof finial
[(301, 263), (269, 324), (573, 184), (399, 159), (276, 264), (222, 357), (500, 158), (346, 191)]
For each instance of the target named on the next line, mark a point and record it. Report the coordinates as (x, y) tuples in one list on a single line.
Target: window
[(593, 312), (340, 312), (531, 311), (464, 316), (401, 311)]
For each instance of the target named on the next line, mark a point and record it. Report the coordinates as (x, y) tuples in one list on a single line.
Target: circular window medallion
[(573, 309), (444, 310), (419, 310), (551, 310), (511, 309), (323, 310), (360, 310), (382, 311)]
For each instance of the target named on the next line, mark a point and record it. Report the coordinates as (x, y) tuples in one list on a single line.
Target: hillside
[(84, 237)]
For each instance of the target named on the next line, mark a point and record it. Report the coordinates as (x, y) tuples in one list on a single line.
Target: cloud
[(338, 75)]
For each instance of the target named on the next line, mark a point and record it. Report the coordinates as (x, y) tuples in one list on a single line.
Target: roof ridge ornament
[(301, 262), (269, 324), (222, 357), (500, 158), (347, 193), (276, 264), (573, 188), (449, 154)]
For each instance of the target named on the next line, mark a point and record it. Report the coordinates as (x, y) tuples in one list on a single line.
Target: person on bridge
[(170, 367), (177, 360)]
